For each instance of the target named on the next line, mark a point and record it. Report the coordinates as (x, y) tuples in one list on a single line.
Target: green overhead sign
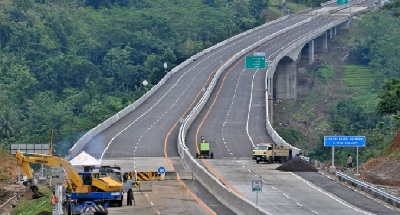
[(342, 1), (255, 62)]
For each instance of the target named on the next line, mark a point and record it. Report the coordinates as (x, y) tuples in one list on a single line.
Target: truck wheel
[(197, 155), (283, 159), (270, 160), (258, 161), (212, 155), (120, 203)]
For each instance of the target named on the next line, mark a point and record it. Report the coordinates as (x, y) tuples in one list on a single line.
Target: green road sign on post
[(255, 62), (256, 186), (342, 1)]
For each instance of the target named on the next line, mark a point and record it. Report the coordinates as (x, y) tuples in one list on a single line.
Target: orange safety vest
[(54, 199)]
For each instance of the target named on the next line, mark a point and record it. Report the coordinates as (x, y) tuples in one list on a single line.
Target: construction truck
[(204, 149), (271, 152), (86, 191)]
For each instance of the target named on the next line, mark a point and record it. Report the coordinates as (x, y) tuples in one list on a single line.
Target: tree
[(389, 96), (6, 130)]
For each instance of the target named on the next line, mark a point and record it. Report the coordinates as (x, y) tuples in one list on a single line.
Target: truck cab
[(270, 152)]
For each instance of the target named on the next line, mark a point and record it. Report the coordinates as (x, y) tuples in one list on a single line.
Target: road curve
[(142, 133), (233, 121)]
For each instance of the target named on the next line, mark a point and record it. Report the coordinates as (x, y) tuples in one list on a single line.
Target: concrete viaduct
[(283, 75)]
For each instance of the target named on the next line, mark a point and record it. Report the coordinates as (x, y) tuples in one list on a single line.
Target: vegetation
[(366, 92), (69, 65), (34, 206)]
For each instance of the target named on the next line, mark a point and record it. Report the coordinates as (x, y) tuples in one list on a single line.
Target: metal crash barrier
[(370, 189)]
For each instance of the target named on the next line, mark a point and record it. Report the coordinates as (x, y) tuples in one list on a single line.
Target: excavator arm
[(73, 178)]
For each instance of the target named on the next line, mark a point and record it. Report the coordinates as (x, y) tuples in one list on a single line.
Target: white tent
[(84, 159)]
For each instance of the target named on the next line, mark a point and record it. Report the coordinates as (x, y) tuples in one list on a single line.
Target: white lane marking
[(249, 170), (274, 188), (299, 204), (229, 111), (331, 196), (248, 112), (151, 203), (286, 195), (245, 37), (162, 97)]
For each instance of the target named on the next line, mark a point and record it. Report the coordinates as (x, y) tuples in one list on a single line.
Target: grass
[(34, 206), (358, 78)]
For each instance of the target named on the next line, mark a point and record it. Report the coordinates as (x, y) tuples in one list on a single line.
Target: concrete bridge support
[(311, 52), (321, 43), (285, 79)]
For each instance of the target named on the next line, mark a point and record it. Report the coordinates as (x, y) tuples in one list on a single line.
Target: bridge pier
[(311, 52), (321, 43), (330, 33), (285, 79)]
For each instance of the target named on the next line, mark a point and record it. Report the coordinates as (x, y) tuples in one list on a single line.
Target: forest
[(374, 111), (68, 65)]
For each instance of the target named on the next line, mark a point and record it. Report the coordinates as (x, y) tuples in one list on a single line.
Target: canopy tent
[(84, 159)]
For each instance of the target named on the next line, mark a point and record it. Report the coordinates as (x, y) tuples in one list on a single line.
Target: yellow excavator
[(88, 191)]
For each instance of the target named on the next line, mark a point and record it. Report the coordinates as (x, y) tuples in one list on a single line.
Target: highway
[(151, 130), (233, 121)]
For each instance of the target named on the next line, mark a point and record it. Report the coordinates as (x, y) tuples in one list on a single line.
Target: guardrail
[(81, 143), (370, 189), (223, 193), (271, 69)]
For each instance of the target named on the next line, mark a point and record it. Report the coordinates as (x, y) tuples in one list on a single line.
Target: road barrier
[(271, 69), (370, 189), (81, 143), (148, 176), (142, 176), (224, 194)]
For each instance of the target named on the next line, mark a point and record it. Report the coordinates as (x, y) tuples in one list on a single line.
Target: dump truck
[(271, 152), (204, 150), (86, 191)]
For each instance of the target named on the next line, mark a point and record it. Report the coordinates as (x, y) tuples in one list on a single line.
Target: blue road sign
[(161, 170), (344, 141)]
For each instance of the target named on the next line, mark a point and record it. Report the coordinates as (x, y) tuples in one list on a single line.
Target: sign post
[(161, 170), (256, 187), (344, 141)]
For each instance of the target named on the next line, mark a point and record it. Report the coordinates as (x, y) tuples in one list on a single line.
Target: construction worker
[(129, 197), (350, 163), (54, 199)]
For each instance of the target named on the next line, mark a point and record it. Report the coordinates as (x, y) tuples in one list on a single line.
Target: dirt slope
[(384, 170)]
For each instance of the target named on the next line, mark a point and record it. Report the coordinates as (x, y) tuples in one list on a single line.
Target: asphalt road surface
[(234, 123)]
